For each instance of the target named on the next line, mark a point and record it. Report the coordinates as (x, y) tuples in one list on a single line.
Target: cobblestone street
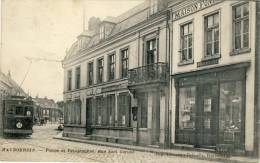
[(42, 147)]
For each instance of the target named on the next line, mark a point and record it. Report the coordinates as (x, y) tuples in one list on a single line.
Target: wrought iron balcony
[(149, 74)]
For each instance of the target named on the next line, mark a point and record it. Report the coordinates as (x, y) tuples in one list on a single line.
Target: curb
[(207, 156)]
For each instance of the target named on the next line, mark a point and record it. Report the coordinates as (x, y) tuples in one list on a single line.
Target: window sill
[(183, 63), (240, 51)]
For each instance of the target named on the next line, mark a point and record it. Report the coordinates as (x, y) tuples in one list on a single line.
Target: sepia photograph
[(130, 81)]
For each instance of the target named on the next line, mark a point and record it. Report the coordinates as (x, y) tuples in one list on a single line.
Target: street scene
[(42, 147), (130, 81)]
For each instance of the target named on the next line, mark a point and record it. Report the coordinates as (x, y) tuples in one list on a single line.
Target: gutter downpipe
[(168, 55), (257, 85)]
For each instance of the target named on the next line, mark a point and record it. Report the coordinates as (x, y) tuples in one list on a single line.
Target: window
[(212, 35), (19, 111), (111, 67), (241, 26), (230, 111), (102, 32), (187, 109), (101, 111), (153, 6), (111, 109), (77, 77), (124, 109), (73, 112), (90, 73), (124, 63), (69, 80), (151, 51), (186, 42), (100, 70)]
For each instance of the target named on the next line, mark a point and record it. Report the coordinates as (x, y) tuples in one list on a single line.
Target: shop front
[(210, 110)]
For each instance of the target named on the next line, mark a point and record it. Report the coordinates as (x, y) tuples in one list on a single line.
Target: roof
[(8, 85), (45, 102), (110, 19), (123, 22), (87, 33)]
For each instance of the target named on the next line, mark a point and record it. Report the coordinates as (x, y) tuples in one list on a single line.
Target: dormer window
[(102, 32), (153, 6)]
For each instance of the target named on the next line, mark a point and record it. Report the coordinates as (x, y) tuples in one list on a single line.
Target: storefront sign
[(76, 95), (207, 62), (68, 96), (114, 87), (193, 8), (93, 91)]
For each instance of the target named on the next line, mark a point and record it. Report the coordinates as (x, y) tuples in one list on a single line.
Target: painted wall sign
[(68, 96), (76, 95), (193, 8), (207, 62), (93, 91)]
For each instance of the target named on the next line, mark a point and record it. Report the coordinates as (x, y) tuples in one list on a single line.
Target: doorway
[(89, 103), (207, 113)]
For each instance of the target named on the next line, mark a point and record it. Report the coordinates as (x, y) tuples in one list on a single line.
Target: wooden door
[(155, 118), (88, 115)]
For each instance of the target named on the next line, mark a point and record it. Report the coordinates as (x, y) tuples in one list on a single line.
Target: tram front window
[(28, 111), (10, 110), (19, 111)]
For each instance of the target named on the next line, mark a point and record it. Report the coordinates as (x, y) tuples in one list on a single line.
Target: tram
[(18, 115)]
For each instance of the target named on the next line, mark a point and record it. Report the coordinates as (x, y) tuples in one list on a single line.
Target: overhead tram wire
[(31, 59)]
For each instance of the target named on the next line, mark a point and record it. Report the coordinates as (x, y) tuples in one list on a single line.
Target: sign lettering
[(193, 8)]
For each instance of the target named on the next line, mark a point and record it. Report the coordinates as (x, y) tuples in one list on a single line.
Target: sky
[(45, 29)]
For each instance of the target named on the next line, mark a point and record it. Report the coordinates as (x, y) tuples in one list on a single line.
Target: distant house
[(47, 110)]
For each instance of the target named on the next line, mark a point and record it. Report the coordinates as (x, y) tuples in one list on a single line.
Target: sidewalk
[(200, 155)]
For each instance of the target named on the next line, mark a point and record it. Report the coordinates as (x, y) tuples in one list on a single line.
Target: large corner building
[(173, 73)]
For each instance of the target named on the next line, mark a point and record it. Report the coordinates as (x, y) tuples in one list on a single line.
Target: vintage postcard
[(139, 81)]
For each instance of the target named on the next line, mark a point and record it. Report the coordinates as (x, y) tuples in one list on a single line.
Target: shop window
[(101, 111), (111, 67), (100, 70), (73, 112), (78, 78), (90, 73), (124, 63), (187, 108), (98, 111), (241, 26), (124, 109), (230, 118), (111, 109), (69, 84), (212, 35), (186, 42)]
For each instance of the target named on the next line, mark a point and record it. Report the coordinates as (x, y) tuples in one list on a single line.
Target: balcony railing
[(153, 73)]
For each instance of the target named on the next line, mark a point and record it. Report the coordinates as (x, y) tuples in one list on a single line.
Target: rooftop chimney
[(9, 74), (93, 24)]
